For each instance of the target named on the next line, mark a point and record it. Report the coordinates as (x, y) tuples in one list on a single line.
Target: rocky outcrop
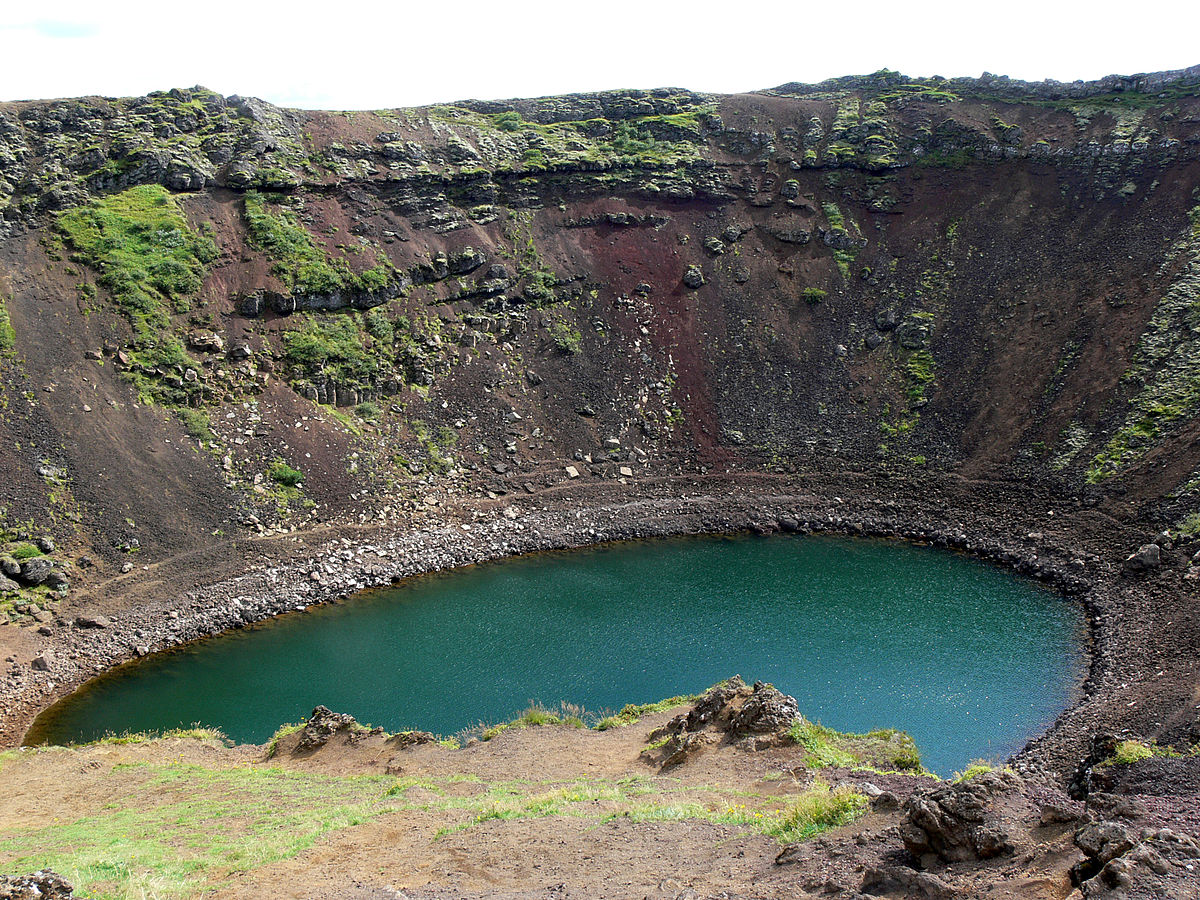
[(729, 711), (41, 885), (1122, 862), (323, 724), (766, 710), (961, 821)]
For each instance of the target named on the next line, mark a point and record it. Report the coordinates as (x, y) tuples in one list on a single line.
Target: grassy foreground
[(181, 814)]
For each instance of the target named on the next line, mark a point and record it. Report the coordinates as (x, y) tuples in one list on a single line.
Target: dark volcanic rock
[(36, 571), (44, 884), (323, 724), (1147, 557), (955, 822), (766, 710)]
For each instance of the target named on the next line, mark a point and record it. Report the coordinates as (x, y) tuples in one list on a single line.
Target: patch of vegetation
[(633, 712), (8, 335), (330, 348), (974, 768), (151, 261), (167, 846), (280, 733), (1166, 367), (282, 473), (300, 264), (812, 295), (1131, 751), (566, 337), (818, 809), (946, 158), (885, 748), (24, 551), (196, 423), (536, 715), (920, 370), (194, 733), (1189, 525)]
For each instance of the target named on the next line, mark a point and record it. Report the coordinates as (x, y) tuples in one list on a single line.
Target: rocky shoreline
[(1064, 556)]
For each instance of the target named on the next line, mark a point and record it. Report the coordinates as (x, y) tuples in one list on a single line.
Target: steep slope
[(977, 276)]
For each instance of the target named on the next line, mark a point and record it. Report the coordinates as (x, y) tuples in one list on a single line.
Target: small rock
[(1147, 558), (693, 277), (572, 472), (93, 622), (43, 662)]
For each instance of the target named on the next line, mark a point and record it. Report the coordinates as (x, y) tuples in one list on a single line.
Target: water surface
[(969, 658)]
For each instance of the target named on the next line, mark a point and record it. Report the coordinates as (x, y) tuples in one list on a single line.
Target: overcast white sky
[(368, 54)]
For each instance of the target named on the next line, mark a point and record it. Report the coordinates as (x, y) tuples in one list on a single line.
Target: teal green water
[(969, 658)]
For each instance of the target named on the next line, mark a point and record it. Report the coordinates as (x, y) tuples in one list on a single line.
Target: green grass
[(812, 296), (195, 733), (885, 749), (195, 825), (8, 335), (196, 423), (24, 551), (333, 347), (299, 263), (151, 261), (280, 733), (633, 712), (282, 473), (818, 809), (1131, 751), (975, 767), (535, 715)]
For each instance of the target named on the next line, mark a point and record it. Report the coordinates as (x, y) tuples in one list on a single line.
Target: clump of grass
[(331, 348), (818, 809), (884, 748), (974, 768), (282, 473), (8, 335), (534, 716), (299, 263), (1130, 751), (812, 295), (632, 712), (196, 732), (24, 551), (280, 733), (196, 423), (820, 744)]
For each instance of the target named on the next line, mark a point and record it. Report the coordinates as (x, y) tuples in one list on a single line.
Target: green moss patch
[(885, 749), (299, 263), (152, 262)]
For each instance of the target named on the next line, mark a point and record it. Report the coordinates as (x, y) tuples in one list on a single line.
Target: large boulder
[(962, 821), (1122, 863), (35, 571)]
